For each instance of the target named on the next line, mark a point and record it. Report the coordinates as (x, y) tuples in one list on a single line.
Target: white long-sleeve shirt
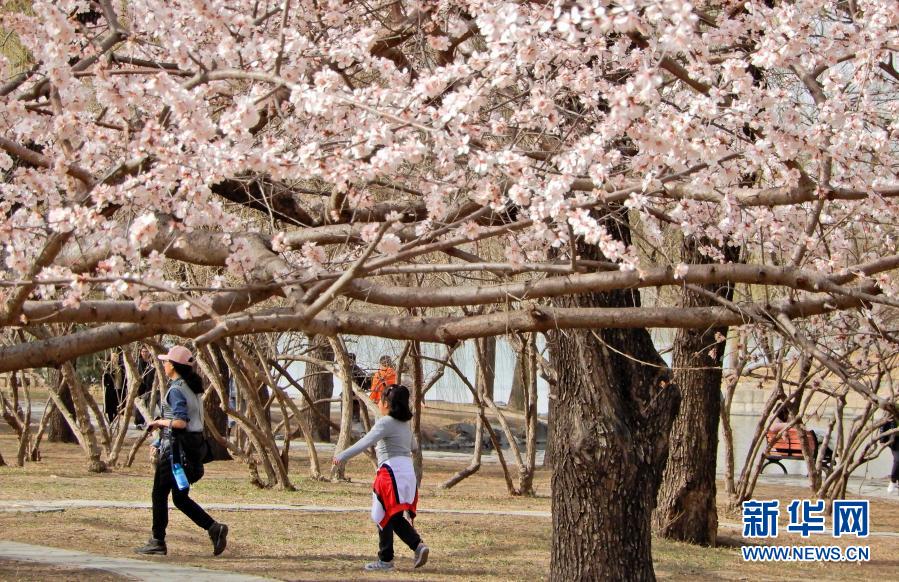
[(393, 438)]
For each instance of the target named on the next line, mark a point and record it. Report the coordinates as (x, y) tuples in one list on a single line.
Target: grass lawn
[(333, 546)]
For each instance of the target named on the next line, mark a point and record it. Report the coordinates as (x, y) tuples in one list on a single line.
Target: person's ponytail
[(187, 373)]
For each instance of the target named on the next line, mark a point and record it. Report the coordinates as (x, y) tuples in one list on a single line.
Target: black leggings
[(894, 474), (403, 529), (163, 483)]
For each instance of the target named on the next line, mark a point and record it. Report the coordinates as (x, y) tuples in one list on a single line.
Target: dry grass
[(30, 572), (327, 546)]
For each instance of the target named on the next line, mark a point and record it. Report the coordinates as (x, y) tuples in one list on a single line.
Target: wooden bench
[(789, 448)]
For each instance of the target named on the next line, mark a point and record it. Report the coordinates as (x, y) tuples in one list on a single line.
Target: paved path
[(134, 569)]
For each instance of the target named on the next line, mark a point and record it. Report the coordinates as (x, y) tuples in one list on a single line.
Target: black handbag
[(213, 451)]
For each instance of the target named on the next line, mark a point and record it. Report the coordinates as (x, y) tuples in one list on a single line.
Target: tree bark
[(418, 401), (213, 410), (320, 385), (552, 396), (59, 430), (526, 480), (610, 441), (347, 397), (517, 397), (81, 399), (485, 356), (686, 502)]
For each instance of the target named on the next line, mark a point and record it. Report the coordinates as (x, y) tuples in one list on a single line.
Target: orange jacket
[(383, 378)]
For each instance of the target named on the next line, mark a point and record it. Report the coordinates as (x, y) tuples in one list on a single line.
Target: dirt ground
[(293, 545), (29, 572)]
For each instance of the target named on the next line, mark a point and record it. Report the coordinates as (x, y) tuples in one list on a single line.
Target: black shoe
[(154, 547), (218, 533)]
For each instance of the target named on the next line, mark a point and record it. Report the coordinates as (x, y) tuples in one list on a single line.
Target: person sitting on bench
[(782, 423)]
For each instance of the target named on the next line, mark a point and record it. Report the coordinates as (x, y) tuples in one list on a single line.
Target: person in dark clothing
[(113, 380), (180, 442), (893, 441), (361, 380), (147, 373)]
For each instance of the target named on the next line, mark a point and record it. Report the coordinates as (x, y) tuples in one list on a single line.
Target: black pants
[(404, 529), (163, 483), (894, 474), (112, 400)]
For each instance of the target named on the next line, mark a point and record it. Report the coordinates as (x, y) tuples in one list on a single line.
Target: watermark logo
[(760, 518), (851, 517), (806, 517)]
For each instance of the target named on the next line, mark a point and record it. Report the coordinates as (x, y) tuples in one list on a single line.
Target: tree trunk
[(686, 502), (59, 430), (418, 400), (518, 396), (552, 396), (738, 359), (347, 397), (213, 410), (485, 358), (526, 481), (609, 438), (320, 385), (81, 398), (252, 378)]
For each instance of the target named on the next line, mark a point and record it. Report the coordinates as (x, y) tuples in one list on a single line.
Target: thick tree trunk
[(320, 385), (58, 430), (551, 405), (609, 438), (686, 501), (610, 446)]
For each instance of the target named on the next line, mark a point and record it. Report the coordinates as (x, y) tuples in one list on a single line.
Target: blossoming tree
[(526, 155)]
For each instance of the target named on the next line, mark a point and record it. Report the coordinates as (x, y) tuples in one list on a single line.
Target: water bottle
[(180, 477)]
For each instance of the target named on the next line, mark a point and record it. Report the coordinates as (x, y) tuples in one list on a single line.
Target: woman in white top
[(395, 489)]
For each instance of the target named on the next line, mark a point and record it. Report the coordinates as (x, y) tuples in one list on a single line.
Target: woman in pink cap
[(180, 445)]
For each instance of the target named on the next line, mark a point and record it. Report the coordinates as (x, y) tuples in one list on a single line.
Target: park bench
[(789, 448)]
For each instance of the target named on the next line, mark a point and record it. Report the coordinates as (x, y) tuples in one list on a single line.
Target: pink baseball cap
[(179, 355)]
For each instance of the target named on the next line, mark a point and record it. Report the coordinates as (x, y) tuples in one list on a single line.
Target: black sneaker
[(218, 533), (154, 547)]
